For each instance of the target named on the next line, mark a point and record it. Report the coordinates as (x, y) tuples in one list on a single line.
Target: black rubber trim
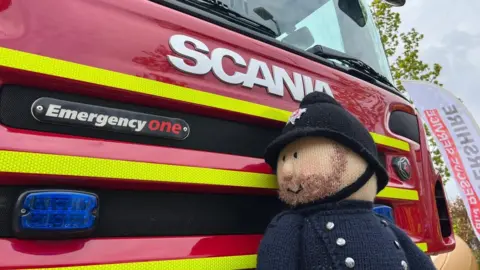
[(442, 210), (206, 16), (207, 134), (127, 213)]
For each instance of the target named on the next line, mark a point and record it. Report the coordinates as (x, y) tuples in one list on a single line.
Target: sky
[(452, 39)]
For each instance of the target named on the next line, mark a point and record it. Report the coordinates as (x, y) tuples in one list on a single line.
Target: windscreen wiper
[(351, 61), (221, 9)]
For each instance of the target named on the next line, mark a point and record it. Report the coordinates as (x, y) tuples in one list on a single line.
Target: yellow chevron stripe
[(49, 164), (390, 142), (224, 263), (423, 246), (78, 72), (398, 193)]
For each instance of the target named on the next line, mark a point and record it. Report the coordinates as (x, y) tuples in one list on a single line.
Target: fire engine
[(132, 132)]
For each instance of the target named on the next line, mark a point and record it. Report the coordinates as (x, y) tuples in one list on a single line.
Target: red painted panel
[(22, 254)]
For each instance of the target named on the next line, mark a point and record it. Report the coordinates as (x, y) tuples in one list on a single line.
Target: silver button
[(397, 244), (341, 242), (404, 265), (349, 262), (384, 222), (330, 225)]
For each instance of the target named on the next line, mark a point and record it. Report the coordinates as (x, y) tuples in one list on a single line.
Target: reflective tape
[(423, 246), (399, 193), (390, 142), (224, 263), (50, 164)]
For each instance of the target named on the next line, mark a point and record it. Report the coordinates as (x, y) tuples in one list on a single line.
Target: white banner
[(458, 138)]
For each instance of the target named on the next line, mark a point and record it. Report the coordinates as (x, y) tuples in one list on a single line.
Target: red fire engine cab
[(132, 131)]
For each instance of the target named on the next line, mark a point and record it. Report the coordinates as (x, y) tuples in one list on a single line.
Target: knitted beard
[(316, 169)]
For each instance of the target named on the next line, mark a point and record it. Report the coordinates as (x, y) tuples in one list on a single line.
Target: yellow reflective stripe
[(49, 164), (391, 142), (226, 263), (398, 193), (78, 72), (233, 262), (423, 246), (64, 69)]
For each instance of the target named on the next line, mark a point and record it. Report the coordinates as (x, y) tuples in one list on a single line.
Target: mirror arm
[(276, 25)]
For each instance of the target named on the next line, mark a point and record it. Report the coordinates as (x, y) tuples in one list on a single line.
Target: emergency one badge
[(296, 115)]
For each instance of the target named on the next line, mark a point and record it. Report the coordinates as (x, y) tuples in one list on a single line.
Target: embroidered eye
[(295, 155)]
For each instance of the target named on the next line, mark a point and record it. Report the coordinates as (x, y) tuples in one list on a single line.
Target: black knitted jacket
[(345, 235)]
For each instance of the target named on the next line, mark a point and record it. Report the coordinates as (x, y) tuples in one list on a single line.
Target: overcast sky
[(452, 39)]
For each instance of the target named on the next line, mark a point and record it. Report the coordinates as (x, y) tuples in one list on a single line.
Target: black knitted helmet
[(321, 115)]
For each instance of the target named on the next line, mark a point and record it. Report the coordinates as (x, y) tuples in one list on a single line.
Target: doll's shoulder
[(397, 231), (287, 219)]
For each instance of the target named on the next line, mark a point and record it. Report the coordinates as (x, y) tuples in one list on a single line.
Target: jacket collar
[(341, 206)]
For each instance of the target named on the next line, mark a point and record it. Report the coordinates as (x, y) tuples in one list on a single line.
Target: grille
[(130, 213)]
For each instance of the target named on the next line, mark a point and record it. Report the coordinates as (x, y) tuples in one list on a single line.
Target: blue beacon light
[(385, 211), (56, 211)]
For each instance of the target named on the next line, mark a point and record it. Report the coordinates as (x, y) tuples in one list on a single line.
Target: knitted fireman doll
[(329, 173)]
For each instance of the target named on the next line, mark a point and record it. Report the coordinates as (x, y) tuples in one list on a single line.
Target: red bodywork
[(131, 37)]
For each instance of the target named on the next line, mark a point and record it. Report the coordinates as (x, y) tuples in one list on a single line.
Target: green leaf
[(408, 65)]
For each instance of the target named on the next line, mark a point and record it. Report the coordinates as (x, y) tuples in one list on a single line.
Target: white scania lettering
[(252, 78), (258, 72), (198, 54), (217, 59), (323, 87), (281, 77), (99, 120)]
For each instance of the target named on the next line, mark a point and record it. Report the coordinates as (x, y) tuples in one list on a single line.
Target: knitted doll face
[(313, 168)]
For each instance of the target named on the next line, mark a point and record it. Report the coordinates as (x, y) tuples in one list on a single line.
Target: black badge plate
[(57, 111)]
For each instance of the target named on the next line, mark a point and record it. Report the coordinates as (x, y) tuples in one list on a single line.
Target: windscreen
[(343, 25)]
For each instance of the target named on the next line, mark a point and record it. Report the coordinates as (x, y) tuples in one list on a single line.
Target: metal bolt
[(23, 211), (185, 129), (341, 242), (39, 108)]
